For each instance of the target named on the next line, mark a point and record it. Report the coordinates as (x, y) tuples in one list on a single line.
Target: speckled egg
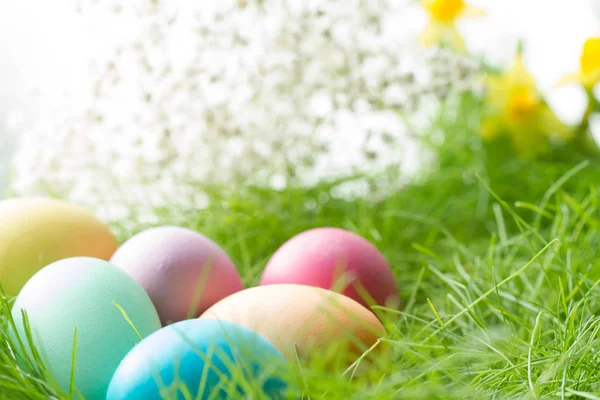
[(204, 358), (306, 320), (35, 232), (183, 271), (93, 296), (336, 259)]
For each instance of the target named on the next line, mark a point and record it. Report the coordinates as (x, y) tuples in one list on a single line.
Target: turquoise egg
[(93, 296), (203, 359)]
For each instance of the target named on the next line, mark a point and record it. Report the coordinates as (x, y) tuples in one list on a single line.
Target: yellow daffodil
[(441, 28), (589, 65), (517, 109)]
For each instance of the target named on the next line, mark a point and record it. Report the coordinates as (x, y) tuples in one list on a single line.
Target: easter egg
[(335, 259), (35, 232), (183, 271), (303, 320), (93, 298), (204, 358)]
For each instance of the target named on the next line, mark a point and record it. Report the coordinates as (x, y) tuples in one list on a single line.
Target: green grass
[(497, 261)]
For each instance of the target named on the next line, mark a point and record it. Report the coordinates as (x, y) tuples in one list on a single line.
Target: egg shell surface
[(328, 257), (176, 355), (35, 232), (303, 319), (183, 271), (83, 292)]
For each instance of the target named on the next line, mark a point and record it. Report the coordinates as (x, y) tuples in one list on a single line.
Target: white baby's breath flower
[(270, 92)]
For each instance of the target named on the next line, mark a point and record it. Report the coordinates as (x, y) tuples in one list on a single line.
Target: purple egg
[(183, 271)]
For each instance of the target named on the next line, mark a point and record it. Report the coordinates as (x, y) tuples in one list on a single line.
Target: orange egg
[(304, 321)]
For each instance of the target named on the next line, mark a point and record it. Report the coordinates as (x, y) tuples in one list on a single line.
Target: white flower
[(218, 92)]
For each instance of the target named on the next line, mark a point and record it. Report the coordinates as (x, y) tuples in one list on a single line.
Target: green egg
[(92, 295)]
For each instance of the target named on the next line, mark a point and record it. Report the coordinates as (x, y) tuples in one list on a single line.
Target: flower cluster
[(270, 92), (517, 109), (588, 77)]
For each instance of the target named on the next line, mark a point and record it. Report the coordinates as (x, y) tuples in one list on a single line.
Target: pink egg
[(183, 271), (330, 257)]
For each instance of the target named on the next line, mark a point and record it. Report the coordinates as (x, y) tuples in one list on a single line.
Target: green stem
[(583, 136)]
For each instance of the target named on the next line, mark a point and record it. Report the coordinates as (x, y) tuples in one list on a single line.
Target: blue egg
[(200, 359)]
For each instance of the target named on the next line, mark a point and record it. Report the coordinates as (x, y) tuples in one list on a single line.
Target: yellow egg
[(304, 321), (35, 232)]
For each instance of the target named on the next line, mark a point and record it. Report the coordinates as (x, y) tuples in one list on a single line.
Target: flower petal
[(519, 75), (570, 78), (427, 4), (470, 11), (456, 40), (491, 127), (431, 34), (497, 92), (589, 80), (549, 122)]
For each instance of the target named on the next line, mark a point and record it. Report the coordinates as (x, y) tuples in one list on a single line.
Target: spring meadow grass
[(497, 260)]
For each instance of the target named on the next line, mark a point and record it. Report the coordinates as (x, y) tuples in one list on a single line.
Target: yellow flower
[(589, 65), (517, 109), (441, 27)]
